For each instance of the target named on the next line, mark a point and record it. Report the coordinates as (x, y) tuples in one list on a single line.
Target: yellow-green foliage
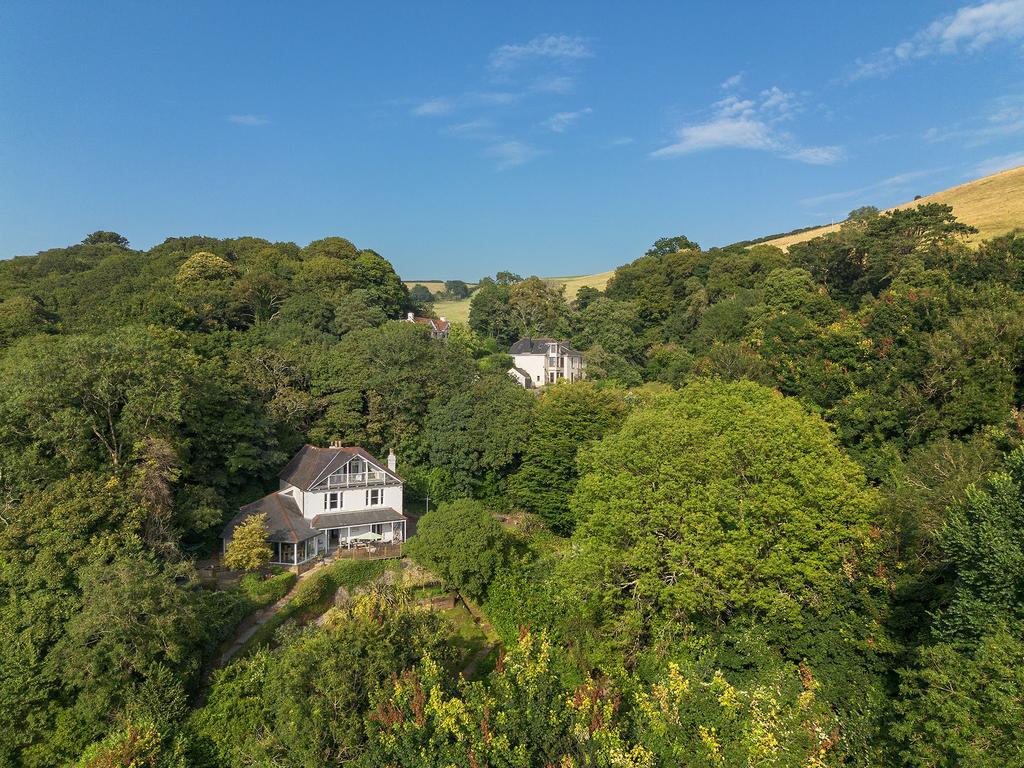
[(684, 719), (523, 715), (202, 267), (249, 549), (131, 747)]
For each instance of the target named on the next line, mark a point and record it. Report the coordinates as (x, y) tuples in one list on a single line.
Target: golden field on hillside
[(994, 204)]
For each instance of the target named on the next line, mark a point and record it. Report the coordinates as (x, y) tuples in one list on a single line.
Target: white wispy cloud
[(478, 128), (749, 123), (434, 107), (731, 82), (1004, 118), (997, 164), (723, 131), (560, 122), (969, 29), (817, 155), (538, 68), (510, 153), (542, 47), (439, 106), (889, 186), (493, 98), (559, 84), (251, 121)]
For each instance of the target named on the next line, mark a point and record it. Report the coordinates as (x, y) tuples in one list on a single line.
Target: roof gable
[(437, 324), (311, 464)]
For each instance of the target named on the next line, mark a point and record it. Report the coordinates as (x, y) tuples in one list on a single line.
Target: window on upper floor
[(332, 501), (374, 497)]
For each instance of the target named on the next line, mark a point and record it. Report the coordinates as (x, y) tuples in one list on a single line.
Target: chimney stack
[(336, 444), (392, 460)]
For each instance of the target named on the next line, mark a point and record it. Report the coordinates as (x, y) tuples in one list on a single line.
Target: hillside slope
[(994, 204)]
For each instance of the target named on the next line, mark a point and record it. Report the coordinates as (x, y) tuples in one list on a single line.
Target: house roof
[(531, 346), (284, 521), (436, 323), (359, 517), (521, 372), (313, 462)]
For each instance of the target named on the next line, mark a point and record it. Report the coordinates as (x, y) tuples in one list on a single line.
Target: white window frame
[(372, 493), (333, 500)]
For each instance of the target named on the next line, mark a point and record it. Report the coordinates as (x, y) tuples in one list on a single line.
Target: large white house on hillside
[(329, 498), (544, 361)]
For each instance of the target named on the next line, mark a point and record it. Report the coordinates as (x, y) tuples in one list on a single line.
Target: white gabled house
[(544, 361), (329, 498)]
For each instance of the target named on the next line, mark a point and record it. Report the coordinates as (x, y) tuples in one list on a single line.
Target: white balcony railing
[(356, 479)]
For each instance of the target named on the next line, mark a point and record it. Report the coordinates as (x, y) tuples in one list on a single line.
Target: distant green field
[(458, 311)]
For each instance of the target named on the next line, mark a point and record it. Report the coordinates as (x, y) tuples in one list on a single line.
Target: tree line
[(781, 523)]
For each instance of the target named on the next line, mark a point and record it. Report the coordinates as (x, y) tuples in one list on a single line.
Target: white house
[(329, 498), (545, 361), (439, 326)]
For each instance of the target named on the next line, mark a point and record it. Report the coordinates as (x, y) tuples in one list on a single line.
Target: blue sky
[(458, 139)]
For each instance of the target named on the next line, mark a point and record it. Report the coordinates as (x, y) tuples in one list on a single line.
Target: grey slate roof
[(360, 517), (284, 521), (530, 346), (312, 462)]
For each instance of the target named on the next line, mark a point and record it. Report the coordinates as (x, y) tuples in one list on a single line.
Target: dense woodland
[(781, 525)]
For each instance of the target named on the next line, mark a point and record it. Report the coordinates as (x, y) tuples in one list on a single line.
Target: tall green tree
[(726, 498), (478, 436), (490, 313), (536, 308), (567, 418), (462, 543), (376, 387)]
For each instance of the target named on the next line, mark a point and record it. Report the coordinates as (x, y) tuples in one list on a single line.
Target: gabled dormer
[(358, 472), (320, 469)]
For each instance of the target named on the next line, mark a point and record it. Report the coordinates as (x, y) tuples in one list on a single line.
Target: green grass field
[(458, 311)]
